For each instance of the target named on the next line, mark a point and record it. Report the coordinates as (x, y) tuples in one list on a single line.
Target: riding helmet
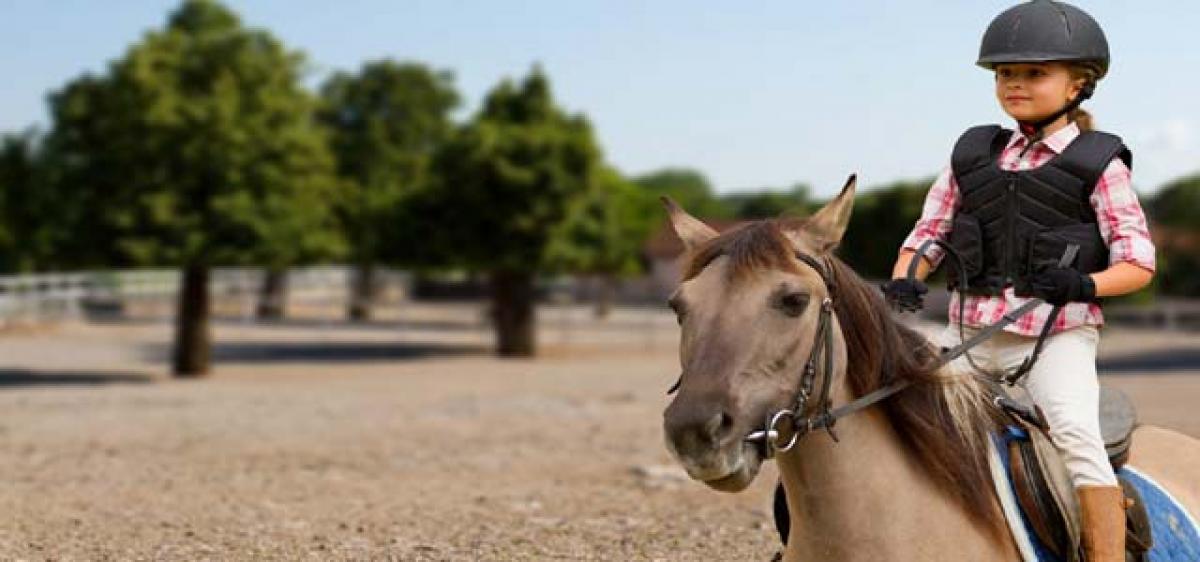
[(1043, 31)]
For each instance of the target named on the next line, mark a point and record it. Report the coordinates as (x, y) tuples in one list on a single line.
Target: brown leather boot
[(1103, 513)]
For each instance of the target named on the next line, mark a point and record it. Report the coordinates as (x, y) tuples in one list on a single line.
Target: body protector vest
[(1011, 224)]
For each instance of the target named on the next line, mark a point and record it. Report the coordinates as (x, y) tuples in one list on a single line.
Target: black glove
[(905, 295), (1059, 286)]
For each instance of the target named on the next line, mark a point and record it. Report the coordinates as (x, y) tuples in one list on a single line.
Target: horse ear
[(689, 229), (824, 229)]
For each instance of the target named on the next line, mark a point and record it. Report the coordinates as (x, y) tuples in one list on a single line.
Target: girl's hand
[(1059, 286), (905, 295)]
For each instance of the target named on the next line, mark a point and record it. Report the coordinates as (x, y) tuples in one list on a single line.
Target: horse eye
[(793, 304)]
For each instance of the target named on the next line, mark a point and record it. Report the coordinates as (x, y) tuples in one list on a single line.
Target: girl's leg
[(1064, 383)]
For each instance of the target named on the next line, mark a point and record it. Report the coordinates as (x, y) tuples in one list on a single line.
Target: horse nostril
[(718, 427), (726, 424), (696, 430)]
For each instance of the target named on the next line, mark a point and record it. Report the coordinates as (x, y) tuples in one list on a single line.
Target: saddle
[(1046, 496)]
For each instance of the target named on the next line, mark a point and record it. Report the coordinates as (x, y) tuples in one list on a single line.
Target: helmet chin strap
[(1033, 130)]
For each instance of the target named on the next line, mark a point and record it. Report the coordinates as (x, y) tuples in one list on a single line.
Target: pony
[(905, 479)]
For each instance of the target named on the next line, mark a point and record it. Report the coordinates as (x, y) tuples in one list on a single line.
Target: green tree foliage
[(386, 121), (505, 182), (197, 148), (882, 217), (604, 231), (1176, 211), (768, 203), (687, 187), (1177, 204), (604, 234), (27, 228)]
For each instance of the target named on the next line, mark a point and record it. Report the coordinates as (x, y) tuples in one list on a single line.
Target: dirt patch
[(458, 457)]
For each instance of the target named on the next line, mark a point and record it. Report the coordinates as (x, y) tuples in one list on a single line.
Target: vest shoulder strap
[(978, 146), (1089, 155)]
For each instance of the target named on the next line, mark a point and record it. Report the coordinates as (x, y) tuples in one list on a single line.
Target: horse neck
[(867, 497)]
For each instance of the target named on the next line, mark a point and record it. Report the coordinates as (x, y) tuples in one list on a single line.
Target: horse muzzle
[(711, 447)]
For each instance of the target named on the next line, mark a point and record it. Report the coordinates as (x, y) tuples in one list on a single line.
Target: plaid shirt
[(1121, 221)]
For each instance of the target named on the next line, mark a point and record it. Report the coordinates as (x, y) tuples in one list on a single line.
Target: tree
[(504, 184), (1177, 204), (386, 121), (197, 148), (883, 217), (769, 203), (687, 187), (27, 228), (1174, 210), (604, 233)]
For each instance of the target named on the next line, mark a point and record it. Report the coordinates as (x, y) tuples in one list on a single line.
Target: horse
[(905, 479)]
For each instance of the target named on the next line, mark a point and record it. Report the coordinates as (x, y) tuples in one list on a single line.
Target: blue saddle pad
[(1176, 533)]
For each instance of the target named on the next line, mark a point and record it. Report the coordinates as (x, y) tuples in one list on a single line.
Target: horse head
[(749, 306)]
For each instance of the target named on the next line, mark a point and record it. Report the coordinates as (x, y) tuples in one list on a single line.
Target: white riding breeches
[(1063, 382)]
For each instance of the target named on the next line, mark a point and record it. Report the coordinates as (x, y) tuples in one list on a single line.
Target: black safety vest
[(1010, 224)]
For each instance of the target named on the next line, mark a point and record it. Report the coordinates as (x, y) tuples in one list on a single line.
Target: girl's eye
[(793, 304)]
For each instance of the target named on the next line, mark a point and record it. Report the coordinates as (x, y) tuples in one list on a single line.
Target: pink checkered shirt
[(1122, 225)]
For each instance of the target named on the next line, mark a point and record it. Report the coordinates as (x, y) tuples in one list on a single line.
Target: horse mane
[(946, 422)]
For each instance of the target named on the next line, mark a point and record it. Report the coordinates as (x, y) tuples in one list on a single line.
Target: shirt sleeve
[(937, 217), (1120, 217)]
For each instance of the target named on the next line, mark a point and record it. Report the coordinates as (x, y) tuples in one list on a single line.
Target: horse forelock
[(751, 248)]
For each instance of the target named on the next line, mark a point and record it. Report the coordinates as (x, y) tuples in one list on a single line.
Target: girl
[(1048, 212)]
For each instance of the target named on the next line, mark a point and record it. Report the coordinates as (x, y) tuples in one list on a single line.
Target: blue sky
[(754, 94)]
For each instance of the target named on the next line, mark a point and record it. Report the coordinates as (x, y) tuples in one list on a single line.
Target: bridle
[(785, 427)]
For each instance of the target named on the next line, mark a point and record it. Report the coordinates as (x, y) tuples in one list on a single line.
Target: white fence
[(50, 297)]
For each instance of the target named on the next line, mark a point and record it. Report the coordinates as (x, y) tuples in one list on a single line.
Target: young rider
[(1010, 205)]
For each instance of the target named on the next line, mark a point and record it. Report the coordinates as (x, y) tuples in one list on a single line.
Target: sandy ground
[(398, 440)]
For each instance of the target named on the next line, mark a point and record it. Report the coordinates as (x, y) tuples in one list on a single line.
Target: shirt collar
[(1057, 142)]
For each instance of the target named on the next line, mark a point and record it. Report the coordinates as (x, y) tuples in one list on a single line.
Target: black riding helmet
[(1045, 31)]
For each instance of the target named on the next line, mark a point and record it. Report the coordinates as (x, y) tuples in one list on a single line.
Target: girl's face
[(1033, 91)]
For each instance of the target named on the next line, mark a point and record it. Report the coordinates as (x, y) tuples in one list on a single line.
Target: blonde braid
[(1089, 72)]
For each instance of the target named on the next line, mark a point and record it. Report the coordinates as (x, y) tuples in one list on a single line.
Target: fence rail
[(61, 296)]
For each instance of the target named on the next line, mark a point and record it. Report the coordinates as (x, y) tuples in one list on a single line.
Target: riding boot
[(1103, 514)]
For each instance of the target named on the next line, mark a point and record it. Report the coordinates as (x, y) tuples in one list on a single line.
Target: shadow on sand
[(322, 351), (26, 378), (1178, 359)]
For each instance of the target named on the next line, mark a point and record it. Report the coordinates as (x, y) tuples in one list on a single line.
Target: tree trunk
[(362, 293), (192, 339), (272, 300), (606, 293), (513, 313)]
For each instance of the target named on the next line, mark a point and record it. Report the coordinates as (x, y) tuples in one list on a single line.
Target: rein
[(785, 428)]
